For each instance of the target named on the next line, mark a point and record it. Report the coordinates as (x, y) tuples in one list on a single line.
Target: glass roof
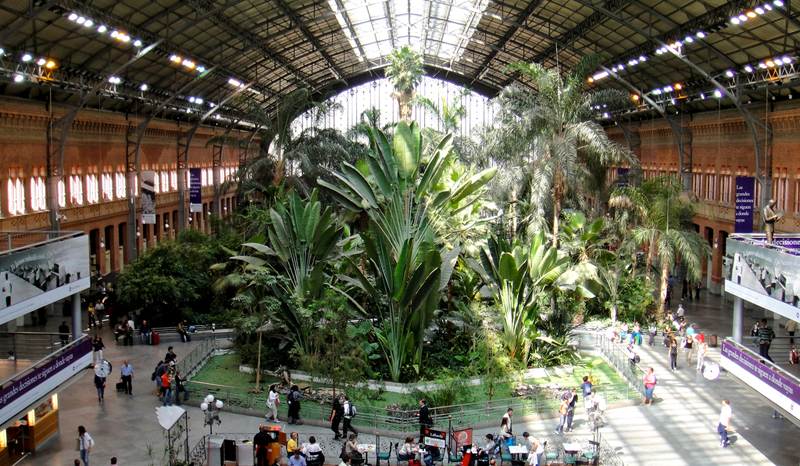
[(437, 28)]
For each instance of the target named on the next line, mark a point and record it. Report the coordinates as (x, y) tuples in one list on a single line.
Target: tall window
[(164, 181), (173, 180), (203, 177), (119, 179), (780, 188), (38, 196), (711, 186), (107, 183), (62, 193), (726, 188), (75, 190), (697, 182), (156, 184), (92, 189), (16, 196)]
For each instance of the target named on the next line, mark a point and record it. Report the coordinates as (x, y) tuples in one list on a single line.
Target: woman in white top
[(312, 450), (272, 403), (535, 449), (408, 451), (85, 444)]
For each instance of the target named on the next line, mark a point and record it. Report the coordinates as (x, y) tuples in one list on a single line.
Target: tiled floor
[(678, 429)]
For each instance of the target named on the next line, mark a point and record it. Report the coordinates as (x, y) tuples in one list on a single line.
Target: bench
[(170, 334)]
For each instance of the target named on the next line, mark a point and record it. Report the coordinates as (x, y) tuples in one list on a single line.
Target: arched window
[(75, 190), (38, 196), (16, 197), (62, 193), (92, 189), (120, 184), (108, 186)]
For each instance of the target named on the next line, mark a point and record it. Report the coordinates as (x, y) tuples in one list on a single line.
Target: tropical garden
[(401, 253)]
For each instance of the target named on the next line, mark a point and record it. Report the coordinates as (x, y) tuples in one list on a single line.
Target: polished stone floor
[(678, 429)]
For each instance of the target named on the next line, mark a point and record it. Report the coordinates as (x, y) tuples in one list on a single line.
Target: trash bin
[(244, 454), (712, 341), (215, 450), (274, 446)]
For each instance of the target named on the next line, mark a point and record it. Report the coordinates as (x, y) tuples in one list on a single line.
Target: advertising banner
[(148, 190), (768, 382), (745, 203), (18, 394), (36, 277), (195, 190), (766, 277), (435, 438)]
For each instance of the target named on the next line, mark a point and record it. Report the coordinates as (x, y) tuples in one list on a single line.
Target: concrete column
[(77, 330), (113, 247), (738, 310)]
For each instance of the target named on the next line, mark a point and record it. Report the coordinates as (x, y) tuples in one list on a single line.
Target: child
[(794, 356)]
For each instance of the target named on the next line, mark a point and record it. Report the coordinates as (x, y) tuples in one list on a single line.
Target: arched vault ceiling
[(273, 47)]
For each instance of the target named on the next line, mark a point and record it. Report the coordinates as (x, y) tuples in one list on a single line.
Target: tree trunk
[(664, 276), (650, 251), (558, 196), (258, 364), (613, 313)]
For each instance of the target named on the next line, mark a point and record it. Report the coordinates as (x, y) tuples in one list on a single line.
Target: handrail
[(44, 359), (764, 361)]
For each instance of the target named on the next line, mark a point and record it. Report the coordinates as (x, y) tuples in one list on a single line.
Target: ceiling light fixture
[(18, 78), (748, 68), (729, 73), (101, 29), (41, 62), (27, 57), (143, 87)]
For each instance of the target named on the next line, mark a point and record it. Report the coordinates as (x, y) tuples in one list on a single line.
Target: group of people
[(592, 403), (169, 380)]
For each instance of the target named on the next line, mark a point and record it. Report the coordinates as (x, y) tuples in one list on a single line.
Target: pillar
[(112, 242), (738, 310), (77, 330)]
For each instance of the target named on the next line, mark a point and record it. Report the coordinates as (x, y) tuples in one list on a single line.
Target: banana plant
[(399, 197)]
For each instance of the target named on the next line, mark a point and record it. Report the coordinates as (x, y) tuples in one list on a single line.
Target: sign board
[(622, 177), (763, 276), (148, 189), (35, 277), (27, 389), (195, 190), (460, 439), (745, 203), (745, 365), (434, 438)]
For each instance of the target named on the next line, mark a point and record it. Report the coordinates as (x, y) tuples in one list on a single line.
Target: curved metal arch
[(760, 131)]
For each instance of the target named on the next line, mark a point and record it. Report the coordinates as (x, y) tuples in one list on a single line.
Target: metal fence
[(194, 361), (614, 354), (31, 345)]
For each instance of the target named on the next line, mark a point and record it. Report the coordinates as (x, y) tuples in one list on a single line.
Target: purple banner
[(745, 202), (787, 241), (30, 381), (195, 190), (761, 372)]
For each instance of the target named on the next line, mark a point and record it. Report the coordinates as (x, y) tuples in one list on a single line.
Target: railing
[(608, 454), (41, 361), (30, 345), (614, 355), (192, 362), (16, 240), (239, 400)]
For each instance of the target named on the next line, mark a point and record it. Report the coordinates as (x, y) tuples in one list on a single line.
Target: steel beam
[(219, 146)]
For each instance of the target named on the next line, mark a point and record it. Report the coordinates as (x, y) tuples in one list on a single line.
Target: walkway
[(678, 429)]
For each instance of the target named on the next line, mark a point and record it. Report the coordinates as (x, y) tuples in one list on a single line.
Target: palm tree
[(665, 209), (554, 130), (405, 71)]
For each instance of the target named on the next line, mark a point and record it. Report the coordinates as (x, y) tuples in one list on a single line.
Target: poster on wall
[(33, 278), (763, 276), (148, 197), (745, 203), (622, 177), (195, 190)]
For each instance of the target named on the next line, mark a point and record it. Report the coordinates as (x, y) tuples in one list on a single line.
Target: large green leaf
[(406, 151), (473, 184)]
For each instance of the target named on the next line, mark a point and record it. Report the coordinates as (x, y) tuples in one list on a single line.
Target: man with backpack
[(294, 405), (349, 413)]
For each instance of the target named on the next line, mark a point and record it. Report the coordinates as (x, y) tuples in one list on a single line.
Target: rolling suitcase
[(154, 337), (120, 386)]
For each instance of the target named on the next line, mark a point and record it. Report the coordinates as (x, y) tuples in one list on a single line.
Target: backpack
[(353, 410), (636, 359)]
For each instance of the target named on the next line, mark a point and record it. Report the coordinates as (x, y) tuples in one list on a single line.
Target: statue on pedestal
[(770, 217)]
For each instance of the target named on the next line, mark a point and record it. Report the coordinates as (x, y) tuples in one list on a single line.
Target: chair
[(454, 458), (315, 459), (383, 456)]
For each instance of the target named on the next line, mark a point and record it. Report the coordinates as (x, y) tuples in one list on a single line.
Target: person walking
[(100, 312), (100, 384), (754, 332), (97, 347), (337, 412), (673, 354), (127, 377), (688, 347), (652, 331), (91, 314), (294, 405), (349, 412), (573, 401), (765, 337), (725, 415), (650, 381), (563, 411), (63, 332), (166, 388), (180, 386), (424, 419), (702, 349), (791, 327), (85, 444), (272, 403)]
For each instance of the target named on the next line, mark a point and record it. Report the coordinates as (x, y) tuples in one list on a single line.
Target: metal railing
[(31, 345), (614, 354), (192, 362), (42, 361), (16, 240), (237, 399)]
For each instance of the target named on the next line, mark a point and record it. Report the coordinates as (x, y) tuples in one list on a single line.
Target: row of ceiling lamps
[(737, 19), (102, 29)]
